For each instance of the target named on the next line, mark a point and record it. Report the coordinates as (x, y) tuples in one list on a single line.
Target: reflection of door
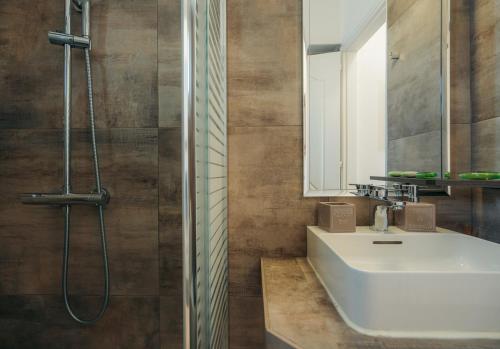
[(324, 121)]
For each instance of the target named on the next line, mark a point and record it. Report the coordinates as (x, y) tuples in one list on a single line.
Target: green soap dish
[(409, 174), (426, 175), (395, 173), (483, 176)]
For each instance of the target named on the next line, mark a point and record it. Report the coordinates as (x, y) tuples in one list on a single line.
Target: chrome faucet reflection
[(401, 194), (410, 191)]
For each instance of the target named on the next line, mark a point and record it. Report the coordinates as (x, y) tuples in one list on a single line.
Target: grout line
[(158, 144), (262, 126), (74, 129), (79, 295), (491, 119), (415, 135)]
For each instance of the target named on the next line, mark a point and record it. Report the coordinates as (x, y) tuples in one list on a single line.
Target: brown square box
[(337, 217), (417, 217)]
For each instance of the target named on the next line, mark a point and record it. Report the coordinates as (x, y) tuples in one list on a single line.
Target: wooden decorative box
[(417, 217), (337, 217)]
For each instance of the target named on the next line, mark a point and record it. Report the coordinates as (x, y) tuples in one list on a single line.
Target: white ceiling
[(337, 21)]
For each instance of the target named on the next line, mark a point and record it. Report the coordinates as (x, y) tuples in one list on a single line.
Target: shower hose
[(67, 214)]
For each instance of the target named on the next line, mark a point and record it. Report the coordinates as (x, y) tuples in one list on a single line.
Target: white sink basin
[(430, 285)]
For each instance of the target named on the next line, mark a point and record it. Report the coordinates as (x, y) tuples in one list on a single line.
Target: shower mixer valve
[(92, 199)]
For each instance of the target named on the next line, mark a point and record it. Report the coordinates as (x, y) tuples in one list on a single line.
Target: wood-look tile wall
[(267, 211), (136, 60)]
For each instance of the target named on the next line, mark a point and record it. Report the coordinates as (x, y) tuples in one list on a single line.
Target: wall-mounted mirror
[(374, 87)]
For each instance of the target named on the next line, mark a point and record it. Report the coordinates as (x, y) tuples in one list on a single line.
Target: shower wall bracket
[(74, 41)]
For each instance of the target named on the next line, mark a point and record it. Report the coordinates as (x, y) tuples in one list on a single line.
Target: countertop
[(299, 314)]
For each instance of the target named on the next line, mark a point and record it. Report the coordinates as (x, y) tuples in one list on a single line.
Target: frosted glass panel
[(211, 176)]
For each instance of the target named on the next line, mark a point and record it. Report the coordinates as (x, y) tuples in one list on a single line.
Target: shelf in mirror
[(441, 182)]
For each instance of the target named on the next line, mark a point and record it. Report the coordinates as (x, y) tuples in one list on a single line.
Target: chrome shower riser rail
[(66, 199), (188, 18)]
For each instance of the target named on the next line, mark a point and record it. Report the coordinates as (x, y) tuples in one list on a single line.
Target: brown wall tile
[(170, 186), (454, 212), (31, 83), (246, 328), (486, 145), (170, 212), (486, 205), (460, 148), (169, 63), (41, 322), (124, 58), (267, 212), (460, 62), (485, 72), (32, 235), (264, 63), (171, 322)]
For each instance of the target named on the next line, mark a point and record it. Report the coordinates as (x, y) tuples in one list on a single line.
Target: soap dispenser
[(381, 223)]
